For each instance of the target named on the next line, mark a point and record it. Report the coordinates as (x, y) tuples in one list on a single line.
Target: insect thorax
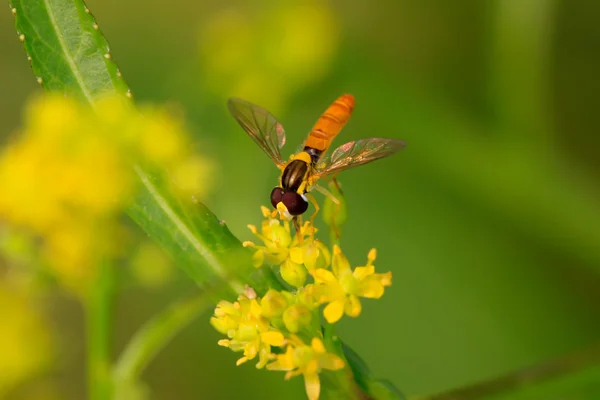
[(296, 173)]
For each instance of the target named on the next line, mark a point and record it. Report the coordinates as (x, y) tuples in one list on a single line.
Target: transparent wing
[(359, 152), (261, 125)]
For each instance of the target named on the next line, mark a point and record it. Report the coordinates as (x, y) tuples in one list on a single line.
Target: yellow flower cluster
[(68, 175), (289, 319), (243, 51)]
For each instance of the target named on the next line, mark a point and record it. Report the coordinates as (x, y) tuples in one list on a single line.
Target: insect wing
[(261, 126), (360, 152)]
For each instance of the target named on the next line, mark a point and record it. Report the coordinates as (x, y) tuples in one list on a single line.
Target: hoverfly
[(300, 174)]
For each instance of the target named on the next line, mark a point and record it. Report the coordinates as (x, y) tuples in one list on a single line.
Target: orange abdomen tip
[(348, 100), (330, 123)]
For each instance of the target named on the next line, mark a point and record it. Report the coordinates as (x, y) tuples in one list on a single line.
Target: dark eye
[(276, 195), (294, 203)]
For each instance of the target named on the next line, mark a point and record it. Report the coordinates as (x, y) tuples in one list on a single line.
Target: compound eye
[(294, 203), (276, 196)]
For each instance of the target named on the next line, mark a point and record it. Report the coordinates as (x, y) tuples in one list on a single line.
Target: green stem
[(155, 335), (98, 320)]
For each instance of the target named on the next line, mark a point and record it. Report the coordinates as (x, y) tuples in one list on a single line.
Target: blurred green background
[(489, 219)]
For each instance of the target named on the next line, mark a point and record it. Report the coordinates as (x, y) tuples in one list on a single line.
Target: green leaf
[(198, 242), (66, 50)]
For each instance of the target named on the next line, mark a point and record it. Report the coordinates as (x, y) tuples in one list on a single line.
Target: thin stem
[(98, 320), (155, 335)]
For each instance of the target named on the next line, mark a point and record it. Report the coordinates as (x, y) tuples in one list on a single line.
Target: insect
[(300, 174)]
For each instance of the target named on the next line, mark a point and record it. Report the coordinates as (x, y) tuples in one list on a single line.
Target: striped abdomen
[(330, 124)]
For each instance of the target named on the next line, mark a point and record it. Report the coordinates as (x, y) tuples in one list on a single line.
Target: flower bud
[(273, 304), (292, 273), (297, 317)]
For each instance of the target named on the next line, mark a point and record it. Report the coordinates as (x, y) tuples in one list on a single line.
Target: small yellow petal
[(363, 272), (318, 345), (241, 361), (352, 306), (283, 362), (370, 289), (272, 338), (258, 258), (323, 276), (339, 264), (334, 311), (331, 362), (312, 385), (386, 279), (297, 255)]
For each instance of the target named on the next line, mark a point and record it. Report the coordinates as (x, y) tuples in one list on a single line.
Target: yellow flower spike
[(292, 273)]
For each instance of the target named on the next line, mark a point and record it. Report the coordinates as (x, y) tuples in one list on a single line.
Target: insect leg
[(298, 226), (312, 199)]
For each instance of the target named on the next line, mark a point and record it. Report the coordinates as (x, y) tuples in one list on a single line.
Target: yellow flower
[(302, 359), (343, 287), (248, 330), (284, 248), (67, 178), (241, 55)]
